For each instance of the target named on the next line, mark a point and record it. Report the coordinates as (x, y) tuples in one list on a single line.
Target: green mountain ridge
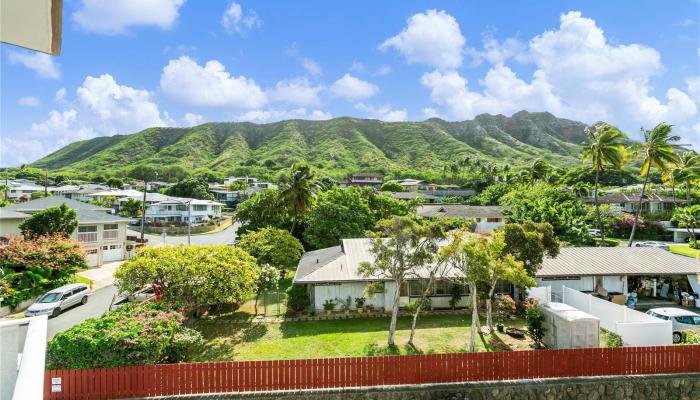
[(335, 147)]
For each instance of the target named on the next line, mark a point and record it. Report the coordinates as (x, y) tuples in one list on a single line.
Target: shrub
[(505, 307), (535, 322), (329, 305), (691, 337), (612, 339), (297, 298), (455, 295), (360, 302), (133, 335), (273, 246)]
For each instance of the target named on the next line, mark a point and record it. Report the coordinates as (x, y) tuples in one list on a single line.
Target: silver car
[(59, 299), (681, 320)]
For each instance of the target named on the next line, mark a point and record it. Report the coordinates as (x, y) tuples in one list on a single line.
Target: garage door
[(112, 252), (91, 257)]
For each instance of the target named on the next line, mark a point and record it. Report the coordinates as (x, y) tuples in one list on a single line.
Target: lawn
[(683, 249), (229, 339)]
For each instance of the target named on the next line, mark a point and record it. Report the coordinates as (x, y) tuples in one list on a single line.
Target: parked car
[(681, 320), (57, 300), (651, 243), (137, 297), (138, 223)]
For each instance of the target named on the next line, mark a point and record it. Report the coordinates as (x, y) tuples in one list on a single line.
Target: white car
[(681, 320), (651, 243), (59, 299)]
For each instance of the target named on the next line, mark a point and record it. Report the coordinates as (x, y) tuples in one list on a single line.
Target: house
[(412, 185), (20, 191), (101, 233), (332, 273), (652, 272), (9, 223), (179, 210), (406, 196), (230, 198), (629, 202), (487, 218), (246, 179), (82, 193), (363, 179)]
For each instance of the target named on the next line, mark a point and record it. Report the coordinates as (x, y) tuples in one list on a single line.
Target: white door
[(112, 252), (91, 257)]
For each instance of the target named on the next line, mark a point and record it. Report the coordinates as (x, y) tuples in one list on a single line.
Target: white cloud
[(264, 116), (351, 88), (311, 67), (383, 113), (42, 64), (192, 119), (60, 95), (578, 75), (298, 92), (383, 70), (497, 52), (357, 66), (29, 101), (102, 107), (694, 88), (209, 86), (235, 21), (431, 38), (115, 17)]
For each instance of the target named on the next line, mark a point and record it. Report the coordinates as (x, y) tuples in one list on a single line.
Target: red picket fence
[(250, 376)]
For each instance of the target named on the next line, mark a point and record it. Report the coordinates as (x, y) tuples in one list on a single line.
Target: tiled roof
[(459, 211)]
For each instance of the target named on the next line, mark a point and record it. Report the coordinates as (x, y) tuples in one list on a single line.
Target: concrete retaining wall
[(638, 387)]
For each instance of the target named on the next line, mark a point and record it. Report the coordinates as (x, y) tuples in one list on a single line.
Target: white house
[(629, 202), (101, 233), (22, 191), (653, 273), (9, 223), (332, 274), (179, 210), (487, 218), (412, 185)]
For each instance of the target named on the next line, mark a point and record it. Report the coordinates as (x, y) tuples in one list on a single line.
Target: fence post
[(563, 294)]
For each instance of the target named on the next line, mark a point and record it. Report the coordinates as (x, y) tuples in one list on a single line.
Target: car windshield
[(50, 298)]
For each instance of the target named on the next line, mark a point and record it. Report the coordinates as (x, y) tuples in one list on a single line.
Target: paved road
[(97, 304), (225, 236)]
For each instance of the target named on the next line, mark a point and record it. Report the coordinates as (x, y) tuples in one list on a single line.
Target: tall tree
[(400, 246), (53, 220), (298, 190), (273, 246), (688, 218), (115, 183), (539, 170), (605, 148), (530, 242), (337, 214), (468, 254), (688, 172), (144, 173), (658, 150)]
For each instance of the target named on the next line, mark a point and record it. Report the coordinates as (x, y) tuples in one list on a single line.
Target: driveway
[(98, 304), (226, 236)]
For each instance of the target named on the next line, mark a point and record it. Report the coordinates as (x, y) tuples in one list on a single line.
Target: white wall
[(22, 358), (342, 291), (584, 284)]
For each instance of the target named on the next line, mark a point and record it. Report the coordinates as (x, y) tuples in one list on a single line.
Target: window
[(688, 319), (416, 287), (493, 220), (111, 231), (87, 233), (200, 207), (477, 219), (442, 288), (91, 251), (181, 207)]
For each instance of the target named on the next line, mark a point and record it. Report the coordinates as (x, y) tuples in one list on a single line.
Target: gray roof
[(587, 261), (10, 214), (53, 201), (614, 198), (459, 211), (98, 217), (412, 195)]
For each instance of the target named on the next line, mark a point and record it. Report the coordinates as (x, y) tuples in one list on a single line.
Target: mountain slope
[(335, 147)]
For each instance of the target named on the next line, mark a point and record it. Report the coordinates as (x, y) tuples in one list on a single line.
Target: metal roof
[(460, 211), (98, 217), (412, 195), (53, 201), (588, 261)]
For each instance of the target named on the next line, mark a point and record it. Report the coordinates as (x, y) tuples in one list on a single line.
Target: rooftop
[(53, 201), (459, 211)]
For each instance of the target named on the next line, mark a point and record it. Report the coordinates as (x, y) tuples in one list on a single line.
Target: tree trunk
[(597, 210), (489, 302), (688, 197), (257, 296), (394, 314), (673, 192), (639, 211), (418, 310), (475, 319)]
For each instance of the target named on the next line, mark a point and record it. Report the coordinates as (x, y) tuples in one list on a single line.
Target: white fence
[(542, 293), (635, 328), (22, 356)]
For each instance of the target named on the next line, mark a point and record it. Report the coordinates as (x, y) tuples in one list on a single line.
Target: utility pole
[(189, 222), (143, 208), (46, 183)]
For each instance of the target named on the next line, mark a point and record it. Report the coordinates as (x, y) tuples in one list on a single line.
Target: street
[(225, 236), (97, 304)]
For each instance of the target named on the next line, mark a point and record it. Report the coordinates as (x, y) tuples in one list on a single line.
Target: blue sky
[(129, 65)]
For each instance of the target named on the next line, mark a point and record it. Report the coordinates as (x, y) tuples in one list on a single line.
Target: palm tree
[(672, 176), (298, 190), (604, 149), (539, 170), (658, 150), (688, 171), (688, 218)]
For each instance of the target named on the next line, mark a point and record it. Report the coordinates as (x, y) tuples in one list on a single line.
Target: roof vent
[(317, 261)]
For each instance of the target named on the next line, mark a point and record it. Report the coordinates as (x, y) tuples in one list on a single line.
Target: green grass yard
[(227, 338), (683, 249)]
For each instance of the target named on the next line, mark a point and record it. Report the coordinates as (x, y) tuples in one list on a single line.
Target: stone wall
[(638, 387)]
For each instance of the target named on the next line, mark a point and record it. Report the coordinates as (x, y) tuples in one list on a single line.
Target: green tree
[(262, 210), (530, 242), (391, 187), (176, 173), (688, 218), (400, 246), (658, 150), (62, 220), (546, 203), (298, 191), (130, 207), (539, 170), (268, 280), (273, 246), (238, 185), (193, 188), (491, 195), (115, 183), (688, 168), (337, 214), (297, 298), (535, 323), (196, 276), (605, 149), (38, 195), (384, 206)]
